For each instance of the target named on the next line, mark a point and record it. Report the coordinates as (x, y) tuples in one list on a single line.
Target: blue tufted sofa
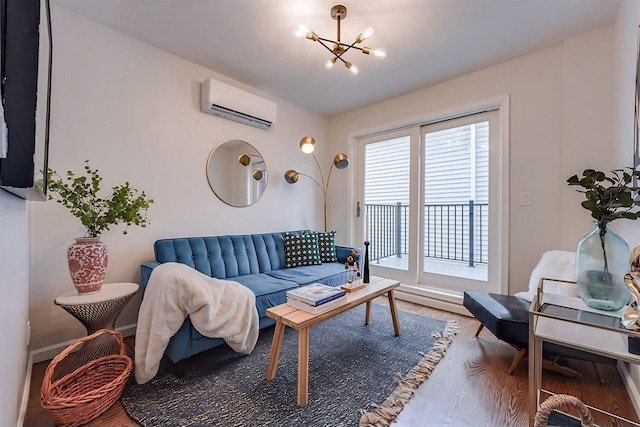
[(257, 261)]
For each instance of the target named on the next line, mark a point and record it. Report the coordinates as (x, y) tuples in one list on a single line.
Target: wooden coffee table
[(286, 315)]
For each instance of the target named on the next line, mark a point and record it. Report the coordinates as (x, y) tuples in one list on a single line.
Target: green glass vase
[(602, 260)]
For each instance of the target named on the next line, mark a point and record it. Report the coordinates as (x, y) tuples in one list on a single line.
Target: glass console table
[(569, 322)]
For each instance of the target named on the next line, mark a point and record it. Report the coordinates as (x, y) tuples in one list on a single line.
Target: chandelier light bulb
[(352, 68), (379, 53), (368, 32), (301, 31), (330, 63)]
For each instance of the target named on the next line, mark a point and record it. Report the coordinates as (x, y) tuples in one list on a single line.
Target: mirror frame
[(260, 184)]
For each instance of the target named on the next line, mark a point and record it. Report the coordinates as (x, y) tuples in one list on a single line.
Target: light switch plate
[(525, 199)]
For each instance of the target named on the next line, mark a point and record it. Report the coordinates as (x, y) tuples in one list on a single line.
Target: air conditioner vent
[(231, 103)]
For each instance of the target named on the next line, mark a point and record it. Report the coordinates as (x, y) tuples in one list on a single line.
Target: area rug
[(357, 375)]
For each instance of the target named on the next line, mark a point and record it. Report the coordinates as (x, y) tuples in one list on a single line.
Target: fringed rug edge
[(384, 414)]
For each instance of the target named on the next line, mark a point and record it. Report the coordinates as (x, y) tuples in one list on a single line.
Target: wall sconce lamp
[(340, 161), (245, 160)]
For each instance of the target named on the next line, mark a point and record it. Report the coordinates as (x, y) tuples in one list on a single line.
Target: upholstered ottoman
[(507, 317)]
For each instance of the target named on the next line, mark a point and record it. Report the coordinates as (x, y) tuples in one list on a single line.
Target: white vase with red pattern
[(88, 260)]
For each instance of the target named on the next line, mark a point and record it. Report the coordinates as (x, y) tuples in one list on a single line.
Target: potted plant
[(602, 257), (87, 257)]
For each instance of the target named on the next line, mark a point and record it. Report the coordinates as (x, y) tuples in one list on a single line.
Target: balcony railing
[(456, 232)]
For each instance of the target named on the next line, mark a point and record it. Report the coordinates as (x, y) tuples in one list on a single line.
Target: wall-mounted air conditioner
[(231, 103)]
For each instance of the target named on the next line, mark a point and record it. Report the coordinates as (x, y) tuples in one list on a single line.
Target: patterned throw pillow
[(301, 249), (327, 246)]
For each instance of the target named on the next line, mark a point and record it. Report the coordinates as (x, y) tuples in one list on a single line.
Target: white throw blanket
[(217, 308), (560, 265)]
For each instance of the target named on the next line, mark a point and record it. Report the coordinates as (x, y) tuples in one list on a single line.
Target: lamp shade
[(291, 176), (257, 174), (244, 159), (307, 144), (341, 161)]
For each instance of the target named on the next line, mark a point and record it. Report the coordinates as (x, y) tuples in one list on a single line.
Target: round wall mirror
[(237, 173)]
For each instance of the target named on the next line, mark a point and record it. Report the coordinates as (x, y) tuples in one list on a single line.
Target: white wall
[(133, 110), (14, 305), (560, 102)]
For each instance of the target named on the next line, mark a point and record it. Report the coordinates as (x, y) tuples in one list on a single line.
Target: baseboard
[(51, 351), (430, 299), (632, 388), (25, 391)]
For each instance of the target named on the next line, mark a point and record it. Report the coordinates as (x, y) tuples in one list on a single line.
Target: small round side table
[(95, 311), (101, 309)]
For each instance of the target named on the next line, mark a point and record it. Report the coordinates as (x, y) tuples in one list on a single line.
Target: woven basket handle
[(80, 341), (557, 400)]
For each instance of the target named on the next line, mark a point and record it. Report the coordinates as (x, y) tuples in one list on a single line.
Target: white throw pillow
[(559, 265)]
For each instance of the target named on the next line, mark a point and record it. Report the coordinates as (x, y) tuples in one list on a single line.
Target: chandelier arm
[(327, 40), (347, 49), (325, 46), (340, 58), (320, 40), (352, 46), (348, 46)]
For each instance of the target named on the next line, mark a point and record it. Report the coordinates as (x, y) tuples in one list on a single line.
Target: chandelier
[(338, 49)]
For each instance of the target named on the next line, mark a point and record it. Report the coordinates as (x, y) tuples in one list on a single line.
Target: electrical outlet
[(28, 332), (525, 199)]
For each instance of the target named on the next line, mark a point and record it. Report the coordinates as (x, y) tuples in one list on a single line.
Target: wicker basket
[(82, 395), (557, 400)]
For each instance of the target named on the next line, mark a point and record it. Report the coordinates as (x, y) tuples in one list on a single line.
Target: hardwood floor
[(469, 387)]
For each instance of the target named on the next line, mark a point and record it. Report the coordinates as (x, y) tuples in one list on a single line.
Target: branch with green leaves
[(79, 194), (609, 197)]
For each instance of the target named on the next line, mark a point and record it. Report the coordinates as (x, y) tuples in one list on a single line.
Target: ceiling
[(427, 41)]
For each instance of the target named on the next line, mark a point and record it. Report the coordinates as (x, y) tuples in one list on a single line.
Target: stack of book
[(316, 298)]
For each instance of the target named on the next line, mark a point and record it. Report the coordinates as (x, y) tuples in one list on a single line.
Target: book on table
[(317, 309), (315, 294)]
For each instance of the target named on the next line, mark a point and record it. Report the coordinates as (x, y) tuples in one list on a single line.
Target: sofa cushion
[(327, 246), (220, 256), (301, 249), (270, 291), (331, 274), (269, 250)]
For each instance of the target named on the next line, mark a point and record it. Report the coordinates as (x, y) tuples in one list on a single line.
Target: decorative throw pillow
[(327, 246), (301, 249)]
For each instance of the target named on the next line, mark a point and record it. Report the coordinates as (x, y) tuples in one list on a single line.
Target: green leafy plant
[(79, 194), (608, 197)]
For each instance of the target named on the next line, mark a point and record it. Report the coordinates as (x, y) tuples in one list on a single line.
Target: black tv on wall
[(25, 55)]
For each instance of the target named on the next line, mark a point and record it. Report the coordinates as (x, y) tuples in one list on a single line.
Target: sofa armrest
[(145, 273), (343, 252)]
